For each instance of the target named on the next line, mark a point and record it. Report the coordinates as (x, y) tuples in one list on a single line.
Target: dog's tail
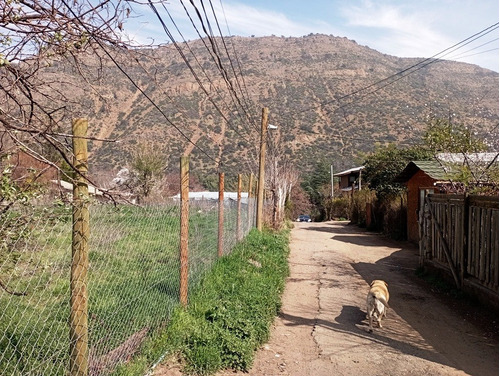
[(381, 299)]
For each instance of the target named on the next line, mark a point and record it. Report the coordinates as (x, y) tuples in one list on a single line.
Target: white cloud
[(397, 31), (401, 28), (241, 19)]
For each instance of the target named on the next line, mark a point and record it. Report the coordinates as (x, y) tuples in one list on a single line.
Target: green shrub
[(340, 207), (358, 209), (230, 313)]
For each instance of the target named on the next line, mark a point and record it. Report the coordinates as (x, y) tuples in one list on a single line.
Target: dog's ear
[(386, 285), (371, 284)]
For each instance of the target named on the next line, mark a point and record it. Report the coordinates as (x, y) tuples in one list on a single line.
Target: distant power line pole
[(331, 180), (262, 160)]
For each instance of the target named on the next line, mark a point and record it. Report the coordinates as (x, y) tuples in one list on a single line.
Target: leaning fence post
[(238, 215), (220, 243), (183, 244), (80, 259)]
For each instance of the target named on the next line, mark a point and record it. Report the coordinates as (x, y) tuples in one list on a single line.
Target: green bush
[(340, 207), (230, 314), (358, 209)]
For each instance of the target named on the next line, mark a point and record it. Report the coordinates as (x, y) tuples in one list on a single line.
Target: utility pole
[(331, 180), (262, 160)]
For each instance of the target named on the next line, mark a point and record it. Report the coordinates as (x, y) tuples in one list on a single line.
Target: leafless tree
[(281, 177), (36, 37)]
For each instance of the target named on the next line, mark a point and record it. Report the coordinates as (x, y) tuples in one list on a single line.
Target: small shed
[(24, 166), (350, 178), (420, 178)]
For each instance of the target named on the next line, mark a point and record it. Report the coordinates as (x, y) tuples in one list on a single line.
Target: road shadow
[(417, 303), (352, 321), (352, 234)]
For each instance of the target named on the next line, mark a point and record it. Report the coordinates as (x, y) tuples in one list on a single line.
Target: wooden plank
[(439, 216), (484, 201), (489, 255), (477, 243), (494, 264), (459, 239), (446, 251), (466, 236), (482, 249), (453, 220), (472, 241)]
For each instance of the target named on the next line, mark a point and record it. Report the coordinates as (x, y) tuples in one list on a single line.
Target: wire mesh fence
[(133, 277)]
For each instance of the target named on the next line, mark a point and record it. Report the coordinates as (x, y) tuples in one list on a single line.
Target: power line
[(137, 86), (236, 55), (214, 51), (475, 48), (421, 64), (183, 56), (230, 60)]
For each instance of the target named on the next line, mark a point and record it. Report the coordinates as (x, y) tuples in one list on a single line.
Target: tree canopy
[(383, 165)]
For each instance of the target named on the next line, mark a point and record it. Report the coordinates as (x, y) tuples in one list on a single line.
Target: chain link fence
[(133, 277)]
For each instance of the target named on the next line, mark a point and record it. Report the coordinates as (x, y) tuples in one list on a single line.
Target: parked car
[(304, 218)]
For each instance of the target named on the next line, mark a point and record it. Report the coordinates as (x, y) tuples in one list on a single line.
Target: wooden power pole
[(262, 160)]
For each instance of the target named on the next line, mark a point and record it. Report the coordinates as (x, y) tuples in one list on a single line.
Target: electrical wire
[(236, 56), (421, 64), (137, 86), (194, 74), (200, 66), (213, 52), (245, 108)]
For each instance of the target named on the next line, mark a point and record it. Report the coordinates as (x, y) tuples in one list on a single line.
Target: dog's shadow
[(350, 316)]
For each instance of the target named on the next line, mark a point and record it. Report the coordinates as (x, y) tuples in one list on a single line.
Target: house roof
[(212, 195), (347, 172), (431, 168), (69, 187), (472, 157)]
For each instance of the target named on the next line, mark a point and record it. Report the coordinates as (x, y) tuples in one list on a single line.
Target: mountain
[(330, 98)]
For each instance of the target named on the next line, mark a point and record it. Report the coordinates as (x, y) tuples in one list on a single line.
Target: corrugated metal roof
[(69, 187), (347, 172), (472, 157), (431, 168)]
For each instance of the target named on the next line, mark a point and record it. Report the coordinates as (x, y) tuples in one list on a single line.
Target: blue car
[(304, 218)]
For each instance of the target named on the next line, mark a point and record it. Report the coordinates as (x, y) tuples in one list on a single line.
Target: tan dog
[(377, 302)]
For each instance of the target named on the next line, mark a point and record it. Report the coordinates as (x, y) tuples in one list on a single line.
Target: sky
[(404, 28)]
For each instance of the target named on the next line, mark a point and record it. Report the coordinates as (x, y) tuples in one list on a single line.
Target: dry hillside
[(312, 86)]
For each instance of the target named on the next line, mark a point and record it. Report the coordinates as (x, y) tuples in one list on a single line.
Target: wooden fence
[(460, 234)]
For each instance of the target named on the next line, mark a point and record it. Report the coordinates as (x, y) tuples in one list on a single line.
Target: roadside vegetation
[(229, 314), (381, 166)]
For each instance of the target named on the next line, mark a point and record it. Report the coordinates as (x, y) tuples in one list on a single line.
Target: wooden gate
[(460, 233)]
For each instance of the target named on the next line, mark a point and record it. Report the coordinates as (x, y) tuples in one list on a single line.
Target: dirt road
[(322, 328)]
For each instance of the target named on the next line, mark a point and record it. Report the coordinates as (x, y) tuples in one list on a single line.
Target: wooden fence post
[(184, 235), (220, 243), (250, 202), (465, 247), (238, 215), (79, 351)]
